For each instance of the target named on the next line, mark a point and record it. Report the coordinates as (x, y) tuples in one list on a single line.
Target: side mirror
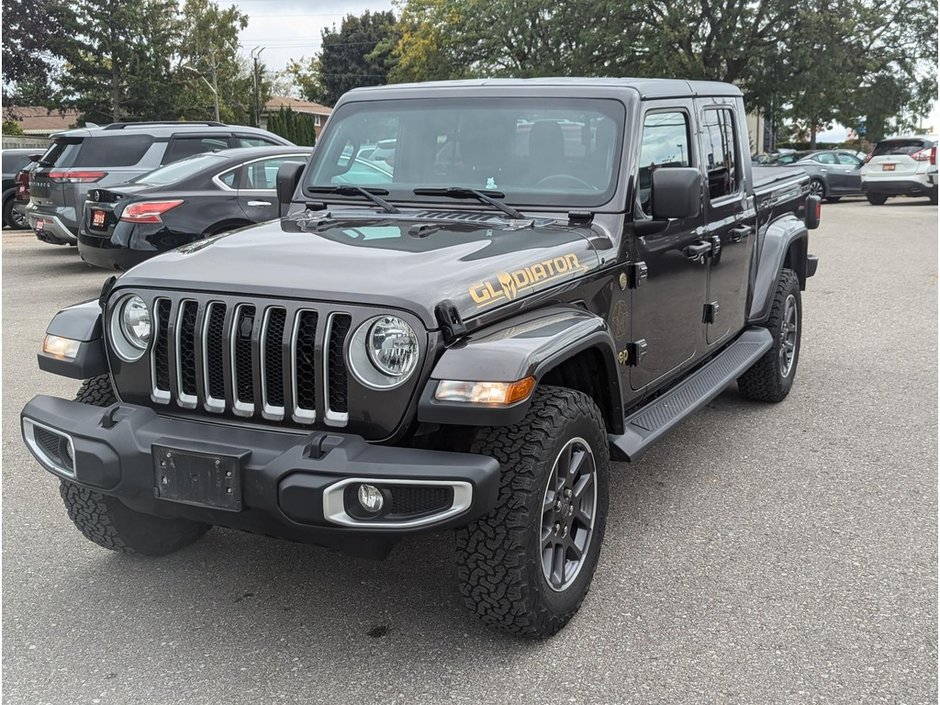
[(812, 212), (676, 193), (288, 176)]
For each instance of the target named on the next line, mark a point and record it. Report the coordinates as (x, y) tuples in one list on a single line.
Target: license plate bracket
[(199, 476)]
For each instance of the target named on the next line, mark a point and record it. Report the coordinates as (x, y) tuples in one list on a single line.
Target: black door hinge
[(636, 273), (710, 312), (452, 325), (635, 352)]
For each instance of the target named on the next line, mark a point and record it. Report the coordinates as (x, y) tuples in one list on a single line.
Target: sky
[(290, 29)]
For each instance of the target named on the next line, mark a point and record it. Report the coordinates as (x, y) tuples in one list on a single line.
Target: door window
[(246, 141), (721, 155), (848, 160), (182, 147), (665, 144), (826, 158), (262, 175)]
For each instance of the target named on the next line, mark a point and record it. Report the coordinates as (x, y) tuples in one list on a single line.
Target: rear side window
[(665, 144), (246, 141), (182, 147), (720, 152), (122, 150), (908, 146), (12, 163), (179, 170)]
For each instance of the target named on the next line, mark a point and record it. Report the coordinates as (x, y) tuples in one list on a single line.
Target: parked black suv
[(87, 158), (14, 161)]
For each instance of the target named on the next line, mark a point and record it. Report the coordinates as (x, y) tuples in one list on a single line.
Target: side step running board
[(653, 421)]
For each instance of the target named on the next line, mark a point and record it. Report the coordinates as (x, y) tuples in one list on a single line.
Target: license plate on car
[(98, 218), (203, 479), (888, 167), (39, 225)]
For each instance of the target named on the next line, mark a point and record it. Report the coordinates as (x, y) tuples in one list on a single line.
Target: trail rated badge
[(506, 286)]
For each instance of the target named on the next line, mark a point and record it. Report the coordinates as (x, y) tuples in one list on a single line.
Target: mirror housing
[(676, 193), (288, 176)]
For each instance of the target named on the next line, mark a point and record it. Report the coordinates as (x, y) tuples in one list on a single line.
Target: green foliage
[(358, 54), (34, 39), (296, 127), (11, 127)]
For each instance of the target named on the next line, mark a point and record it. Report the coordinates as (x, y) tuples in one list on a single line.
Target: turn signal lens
[(148, 211), (499, 393), (62, 348)]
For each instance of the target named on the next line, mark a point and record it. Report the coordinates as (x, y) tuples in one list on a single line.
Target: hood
[(409, 261)]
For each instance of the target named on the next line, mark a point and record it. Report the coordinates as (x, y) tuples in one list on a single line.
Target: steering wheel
[(562, 177)]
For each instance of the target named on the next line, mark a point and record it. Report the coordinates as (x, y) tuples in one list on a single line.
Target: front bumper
[(291, 485), (52, 229)]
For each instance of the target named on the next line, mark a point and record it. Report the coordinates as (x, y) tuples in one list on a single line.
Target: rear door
[(257, 193), (850, 172), (43, 190), (729, 215)]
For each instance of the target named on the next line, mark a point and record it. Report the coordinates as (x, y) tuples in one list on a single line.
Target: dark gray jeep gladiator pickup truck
[(479, 294)]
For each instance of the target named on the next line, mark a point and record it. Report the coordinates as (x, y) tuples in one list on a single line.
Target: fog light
[(370, 498)]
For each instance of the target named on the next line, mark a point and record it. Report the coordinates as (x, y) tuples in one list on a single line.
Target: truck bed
[(779, 190)]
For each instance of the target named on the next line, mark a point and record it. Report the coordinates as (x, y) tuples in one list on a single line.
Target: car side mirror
[(288, 176), (676, 193)]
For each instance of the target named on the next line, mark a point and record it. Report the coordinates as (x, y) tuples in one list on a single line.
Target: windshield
[(552, 152), (178, 170)]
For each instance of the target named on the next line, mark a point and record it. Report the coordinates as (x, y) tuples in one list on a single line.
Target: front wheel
[(877, 199), (107, 521), (526, 567), (771, 377)]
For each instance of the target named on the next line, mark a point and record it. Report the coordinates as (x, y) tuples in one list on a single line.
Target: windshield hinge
[(580, 217), (448, 317)]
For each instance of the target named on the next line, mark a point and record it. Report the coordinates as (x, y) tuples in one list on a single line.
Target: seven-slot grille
[(251, 359)]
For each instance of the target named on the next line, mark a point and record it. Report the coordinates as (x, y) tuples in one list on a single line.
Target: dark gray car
[(833, 173), (86, 158)]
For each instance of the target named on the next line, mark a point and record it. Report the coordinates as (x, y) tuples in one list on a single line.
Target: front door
[(667, 305), (730, 217)]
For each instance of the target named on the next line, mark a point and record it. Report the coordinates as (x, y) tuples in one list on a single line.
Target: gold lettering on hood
[(506, 286)]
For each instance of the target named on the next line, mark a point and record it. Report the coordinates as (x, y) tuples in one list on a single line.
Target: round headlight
[(393, 346), (131, 327), (383, 352)]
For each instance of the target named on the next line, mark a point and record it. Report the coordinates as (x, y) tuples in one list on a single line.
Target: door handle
[(259, 203), (740, 232), (697, 250)]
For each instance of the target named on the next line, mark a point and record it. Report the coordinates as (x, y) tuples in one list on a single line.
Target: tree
[(34, 38), (296, 127), (358, 54)]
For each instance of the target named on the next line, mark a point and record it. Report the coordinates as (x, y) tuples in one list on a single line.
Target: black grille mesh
[(304, 369), (215, 340), (339, 329), (187, 338), (420, 500), (274, 357), (161, 357), (244, 324), (49, 442)]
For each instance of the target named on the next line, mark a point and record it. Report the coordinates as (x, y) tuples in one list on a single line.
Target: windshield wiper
[(371, 194), (487, 197)]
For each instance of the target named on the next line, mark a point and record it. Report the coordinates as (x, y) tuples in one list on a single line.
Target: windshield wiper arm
[(371, 194), (487, 197)]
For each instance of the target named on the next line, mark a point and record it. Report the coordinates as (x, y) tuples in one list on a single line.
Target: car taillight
[(924, 155), (148, 211), (933, 155), (868, 157), (76, 177)]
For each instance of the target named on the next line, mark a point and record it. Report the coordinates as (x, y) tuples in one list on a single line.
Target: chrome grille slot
[(303, 346), (243, 366), (272, 363), (213, 340), (186, 354), (337, 407), (160, 358)]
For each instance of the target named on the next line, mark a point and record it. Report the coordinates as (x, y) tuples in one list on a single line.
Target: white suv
[(901, 166)]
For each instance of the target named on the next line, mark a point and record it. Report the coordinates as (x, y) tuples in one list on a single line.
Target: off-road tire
[(877, 199), (107, 521), (764, 380), (499, 565)]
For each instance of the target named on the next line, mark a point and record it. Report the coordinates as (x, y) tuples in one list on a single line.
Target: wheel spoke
[(576, 548), (577, 460), (582, 485), (558, 565)]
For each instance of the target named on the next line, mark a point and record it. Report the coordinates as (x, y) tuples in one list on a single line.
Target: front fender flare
[(527, 345), (80, 322)]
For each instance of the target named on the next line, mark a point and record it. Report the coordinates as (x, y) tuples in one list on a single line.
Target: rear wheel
[(107, 521), (527, 565), (771, 377), (817, 188), (13, 218), (876, 199)]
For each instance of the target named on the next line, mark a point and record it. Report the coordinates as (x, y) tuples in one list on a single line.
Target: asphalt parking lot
[(762, 554)]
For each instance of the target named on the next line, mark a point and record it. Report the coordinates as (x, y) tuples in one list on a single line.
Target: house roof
[(36, 120), (298, 106)]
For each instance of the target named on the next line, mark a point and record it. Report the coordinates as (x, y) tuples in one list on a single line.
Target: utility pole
[(215, 87), (256, 83)]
